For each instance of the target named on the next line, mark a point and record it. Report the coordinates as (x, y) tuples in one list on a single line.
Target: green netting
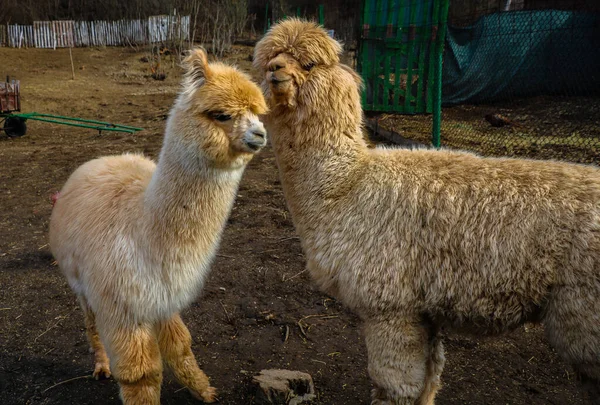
[(522, 53), (526, 84)]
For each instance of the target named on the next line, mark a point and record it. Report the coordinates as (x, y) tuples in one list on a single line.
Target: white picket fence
[(64, 34), (18, 36), (53, 34)]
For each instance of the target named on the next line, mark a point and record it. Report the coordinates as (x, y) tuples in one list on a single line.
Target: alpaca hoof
[(209, 395), (102, 370)]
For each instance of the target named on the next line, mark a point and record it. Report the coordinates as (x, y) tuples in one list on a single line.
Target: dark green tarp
[(522, 53)]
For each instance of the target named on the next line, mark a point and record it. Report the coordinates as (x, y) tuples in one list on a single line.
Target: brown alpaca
[(418, 240), (135, 240)]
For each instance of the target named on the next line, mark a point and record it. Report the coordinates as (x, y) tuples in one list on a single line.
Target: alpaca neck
[(318, 158), (314, 133), (187, 202)]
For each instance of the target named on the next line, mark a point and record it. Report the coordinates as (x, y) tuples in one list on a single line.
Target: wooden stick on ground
[(72, 65), (69, 380)]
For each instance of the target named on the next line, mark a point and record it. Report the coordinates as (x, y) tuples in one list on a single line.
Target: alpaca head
[(301, 68), (217, 112)]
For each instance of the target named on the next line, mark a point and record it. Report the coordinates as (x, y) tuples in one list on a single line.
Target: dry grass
[(547, 128)]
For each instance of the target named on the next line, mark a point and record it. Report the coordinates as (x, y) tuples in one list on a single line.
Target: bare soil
[(257, 294)]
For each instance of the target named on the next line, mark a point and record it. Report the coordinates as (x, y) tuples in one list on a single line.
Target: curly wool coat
[(416, 240)]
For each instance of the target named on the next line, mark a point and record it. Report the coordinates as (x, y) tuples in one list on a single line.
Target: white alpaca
[(135, 240)]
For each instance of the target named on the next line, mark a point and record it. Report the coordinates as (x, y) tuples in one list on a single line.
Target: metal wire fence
[(525, 83), (520, 78)]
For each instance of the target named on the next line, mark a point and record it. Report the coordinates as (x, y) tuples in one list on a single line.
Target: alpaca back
[(455, 232)]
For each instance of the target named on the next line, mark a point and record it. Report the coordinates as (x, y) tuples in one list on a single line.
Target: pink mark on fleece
[(54, 197)]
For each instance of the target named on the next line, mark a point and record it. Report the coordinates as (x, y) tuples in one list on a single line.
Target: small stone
[(284, 387)]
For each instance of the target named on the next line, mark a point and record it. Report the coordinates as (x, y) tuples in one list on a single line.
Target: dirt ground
[(257, 293)]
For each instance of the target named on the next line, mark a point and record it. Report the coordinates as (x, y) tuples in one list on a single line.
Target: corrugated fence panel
[(29, 36), (99, 35), (110, 40), (19, 36), (81, 33), (94, 29), (62, 34), (43, 34), (185, 24), (162, 28), (13, 36), (157, 28), (3, 36)]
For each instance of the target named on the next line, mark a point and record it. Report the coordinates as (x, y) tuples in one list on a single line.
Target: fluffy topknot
[(305, 41), (219, 86)]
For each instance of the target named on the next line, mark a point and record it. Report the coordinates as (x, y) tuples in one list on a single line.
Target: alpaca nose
[(261, 133), (275, 66), (256, 136)]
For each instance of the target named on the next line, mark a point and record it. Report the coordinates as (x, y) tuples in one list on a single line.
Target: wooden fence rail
[(64, 34)]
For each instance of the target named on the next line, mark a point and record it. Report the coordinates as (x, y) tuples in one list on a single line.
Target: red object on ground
[(9, 97)]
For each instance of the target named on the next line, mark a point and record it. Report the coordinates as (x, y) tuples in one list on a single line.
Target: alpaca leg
[(572, 324), (435, 365), (136, 363), (102, 365), (175, 346), (398, 351)]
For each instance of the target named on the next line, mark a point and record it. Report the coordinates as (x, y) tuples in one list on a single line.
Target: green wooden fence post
[(414, 51), (388, 55), (378, 54), (437, 100), (432, 56), (322, 14), (267, 21), (401, 50), (412, 36), (365, 65), (424, 29)]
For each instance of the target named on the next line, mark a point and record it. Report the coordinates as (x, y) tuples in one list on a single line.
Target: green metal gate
[(400, 56)]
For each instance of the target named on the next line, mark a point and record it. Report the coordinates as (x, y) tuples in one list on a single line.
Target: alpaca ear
[(357, 78), (196, 65)]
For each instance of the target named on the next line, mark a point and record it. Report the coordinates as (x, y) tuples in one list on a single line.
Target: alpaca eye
[(309, 66), (221, 117)]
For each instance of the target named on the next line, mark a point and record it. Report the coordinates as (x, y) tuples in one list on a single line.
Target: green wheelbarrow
[(13, 121)]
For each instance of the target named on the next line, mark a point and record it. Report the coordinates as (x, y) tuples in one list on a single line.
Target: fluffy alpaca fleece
[(135, 240), (414, 241)]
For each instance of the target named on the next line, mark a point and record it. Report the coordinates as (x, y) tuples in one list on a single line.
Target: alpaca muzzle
[(282, 88), (279, 71), (279, 77), (255, 137), (279, 80)]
